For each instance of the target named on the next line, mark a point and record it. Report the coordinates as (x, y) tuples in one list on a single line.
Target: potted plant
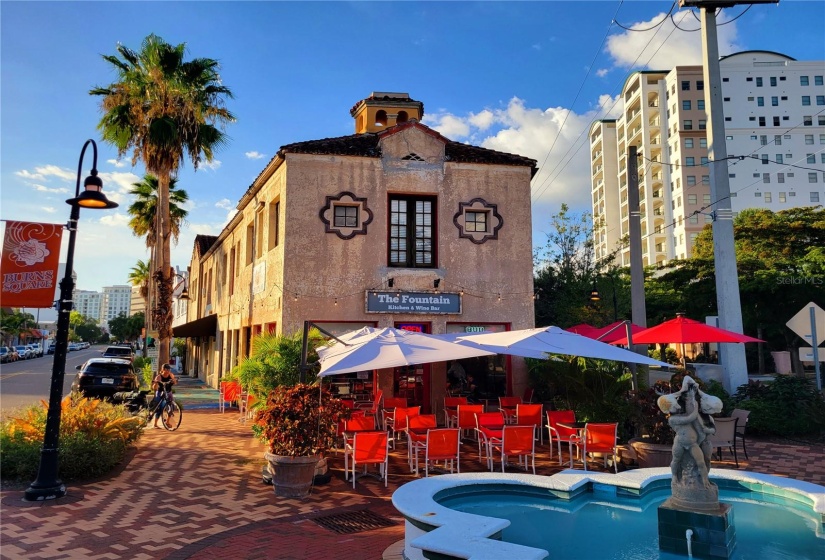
[(653, 441), (299, 423)]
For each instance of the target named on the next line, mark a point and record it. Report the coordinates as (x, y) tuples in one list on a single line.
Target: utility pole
[(638, 310), (731, 356)]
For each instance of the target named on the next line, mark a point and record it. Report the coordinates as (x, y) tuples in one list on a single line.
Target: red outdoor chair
[(400, 420), (598, 438), (530, 415), (451, 409), (489, 426), (507, 405), (443, 444), (370, 448), (466, 416), (388, 410), (560, 433), (417, 429), (519, 441), (229, 391)]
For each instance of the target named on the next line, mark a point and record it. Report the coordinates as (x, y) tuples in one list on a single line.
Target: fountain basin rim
[(453, 533)]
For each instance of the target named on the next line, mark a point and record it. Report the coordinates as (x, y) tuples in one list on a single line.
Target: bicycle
[(170, 416)]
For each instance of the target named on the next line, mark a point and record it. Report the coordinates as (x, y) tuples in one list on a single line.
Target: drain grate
[(353, 522)]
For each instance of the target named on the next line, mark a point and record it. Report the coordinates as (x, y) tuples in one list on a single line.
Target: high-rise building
[(88, 304), (774, 109), (116, 300), (137, 303)]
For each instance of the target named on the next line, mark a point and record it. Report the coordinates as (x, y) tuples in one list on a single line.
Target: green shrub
[(787, 406), (147, 374), (94, 436)]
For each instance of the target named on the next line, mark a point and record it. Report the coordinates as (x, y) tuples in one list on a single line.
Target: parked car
[(5, 354), (50, 349), (124, 352), (103, 377), (24, 352), (36, 350)]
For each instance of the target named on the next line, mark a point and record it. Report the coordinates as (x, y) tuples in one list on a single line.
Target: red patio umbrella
[(583, 329), (682, 330), (618, 335)]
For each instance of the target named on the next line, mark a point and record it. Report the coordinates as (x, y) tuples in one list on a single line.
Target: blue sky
[(521, 77)]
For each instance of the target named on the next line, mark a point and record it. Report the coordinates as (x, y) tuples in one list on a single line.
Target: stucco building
[(393, 226)]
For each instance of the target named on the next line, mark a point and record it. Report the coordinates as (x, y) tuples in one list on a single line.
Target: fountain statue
[(694, 505)]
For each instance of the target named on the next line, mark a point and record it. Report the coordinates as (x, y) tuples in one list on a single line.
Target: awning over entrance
[(205, 326)]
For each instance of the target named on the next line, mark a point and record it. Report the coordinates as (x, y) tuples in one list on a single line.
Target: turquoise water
[(593, 526)]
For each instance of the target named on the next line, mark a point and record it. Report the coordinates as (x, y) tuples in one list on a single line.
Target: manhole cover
[(353, 522)]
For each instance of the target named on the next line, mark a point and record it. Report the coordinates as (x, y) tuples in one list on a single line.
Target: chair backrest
[(370, 447), (348, 403), (508, 402), (359, 424), (376, 401), (453, 402), (484, 419), (529, 414), (741, 417), (556, 416), (402, 415), (467, 415), (725, 432), (443, 443), (601, 433), (422, 421), (230, 390), (394, 402), (528, 395), (518, 439)]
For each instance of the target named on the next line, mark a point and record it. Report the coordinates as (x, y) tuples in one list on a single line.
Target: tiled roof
[(366, 145), (386, 98), (204, 242)]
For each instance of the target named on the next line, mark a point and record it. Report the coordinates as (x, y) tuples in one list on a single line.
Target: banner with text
[(413, 302), (28, 265)]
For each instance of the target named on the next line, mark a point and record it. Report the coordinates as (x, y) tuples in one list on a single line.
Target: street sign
[(152, 353), (801, 324), (806, 354)]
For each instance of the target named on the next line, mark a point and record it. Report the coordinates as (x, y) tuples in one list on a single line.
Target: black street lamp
[(48, 486), (596, 297)]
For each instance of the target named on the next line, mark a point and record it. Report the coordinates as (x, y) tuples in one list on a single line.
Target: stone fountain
[(693, 520)]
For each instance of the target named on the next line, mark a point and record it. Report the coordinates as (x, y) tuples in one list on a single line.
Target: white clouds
[(212, 165), (482, 120), (224, 203), (204, 229), (536, 47), (449, 125), (115, 220), (116, 162), (254, 155), (665, 46), (602, 72), (42, 188), (45, 172), (49, 209)]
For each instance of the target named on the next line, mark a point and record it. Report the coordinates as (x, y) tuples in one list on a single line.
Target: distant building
[(116, 301), (88, 304), (137, 304), (774, 109)]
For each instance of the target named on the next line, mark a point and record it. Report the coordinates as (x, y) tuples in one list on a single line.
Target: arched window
[(402, 117), (381, 118)]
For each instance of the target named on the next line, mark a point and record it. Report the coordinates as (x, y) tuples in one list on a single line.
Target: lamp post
[(47, 486)]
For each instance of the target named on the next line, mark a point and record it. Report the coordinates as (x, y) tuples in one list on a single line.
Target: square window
[(814, 196), (688, 142), (766, 177), (774, 101), (700, 84), (693, 220), (810, 158), (803, 81), (685, 85), (691, 180), (706, 180), (763, 140), (779, 158), (704, 161), (691, 198), (688, 125), (476, 221), (807, 120), (765, 159), (703, 142), (818, 80), (806, 100), (706, 198), (782, 197), (820, 99), (820, 120), (703, 124), (780, 177), (345, 216), (758, 82), (812, 177), (700, 104), (768, 197), (809, 139), (760, 101), (689, 161), (761, 121), (773, 81), (686, 105)]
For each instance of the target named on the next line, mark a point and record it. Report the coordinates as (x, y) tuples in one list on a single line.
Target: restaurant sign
[(413, 302)]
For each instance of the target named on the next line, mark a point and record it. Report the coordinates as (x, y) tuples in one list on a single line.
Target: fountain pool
[(576, 514)]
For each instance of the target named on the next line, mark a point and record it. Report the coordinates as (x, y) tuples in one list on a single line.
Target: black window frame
[(348, 216), (412, 236), (471, 224)]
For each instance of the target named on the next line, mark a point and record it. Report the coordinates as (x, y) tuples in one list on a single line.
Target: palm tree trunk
[(164, 280)]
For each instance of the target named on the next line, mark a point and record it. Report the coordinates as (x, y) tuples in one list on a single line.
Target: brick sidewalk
[(197, 493)]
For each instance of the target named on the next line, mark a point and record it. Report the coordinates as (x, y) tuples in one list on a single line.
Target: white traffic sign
[(806, 353), (801, 324)]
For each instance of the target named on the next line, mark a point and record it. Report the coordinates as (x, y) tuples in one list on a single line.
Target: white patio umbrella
[(540, 343), (371, 348)]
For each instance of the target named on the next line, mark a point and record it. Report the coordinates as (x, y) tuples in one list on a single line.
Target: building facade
[(137, 304), (116, 300), (88, 304), (394, 226), (774, 110)]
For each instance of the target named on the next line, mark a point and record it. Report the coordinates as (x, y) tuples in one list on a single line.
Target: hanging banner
[(28, 265)]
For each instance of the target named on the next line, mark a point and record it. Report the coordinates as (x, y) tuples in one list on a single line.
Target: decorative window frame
[(345, 198), (495, 221)]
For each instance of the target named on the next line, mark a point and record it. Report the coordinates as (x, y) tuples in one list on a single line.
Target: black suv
[(123, 352), (103, 377)]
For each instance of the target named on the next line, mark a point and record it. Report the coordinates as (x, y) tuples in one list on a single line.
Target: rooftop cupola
[(383, 109)]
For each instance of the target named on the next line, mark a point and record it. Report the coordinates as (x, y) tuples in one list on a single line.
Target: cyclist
[(162, 385)]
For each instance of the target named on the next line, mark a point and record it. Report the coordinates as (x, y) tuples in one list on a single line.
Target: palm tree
[(142, 210), (163, 109), (139, 276)]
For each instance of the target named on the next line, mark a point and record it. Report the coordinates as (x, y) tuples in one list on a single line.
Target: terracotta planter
[(292, 476), (651, 454)]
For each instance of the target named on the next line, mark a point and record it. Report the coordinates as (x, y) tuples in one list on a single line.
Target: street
[(26, 382)]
